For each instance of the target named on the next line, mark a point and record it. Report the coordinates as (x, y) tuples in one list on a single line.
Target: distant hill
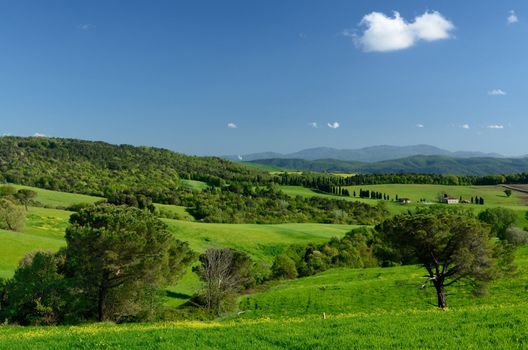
[(366, 154), (99, 168), (479, 166)]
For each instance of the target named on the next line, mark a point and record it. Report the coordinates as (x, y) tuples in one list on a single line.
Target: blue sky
[(234, 77)]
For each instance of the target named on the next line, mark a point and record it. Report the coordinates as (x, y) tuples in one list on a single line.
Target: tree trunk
[(441, 294), (103, 289)]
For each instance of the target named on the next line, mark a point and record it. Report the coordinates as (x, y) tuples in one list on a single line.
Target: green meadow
[(376, 308), (493, 195)]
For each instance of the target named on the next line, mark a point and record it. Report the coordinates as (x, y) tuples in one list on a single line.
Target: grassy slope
[(59, 199), (366, 308), (261, 241), (44, 230), (493, 196), (193, 184)]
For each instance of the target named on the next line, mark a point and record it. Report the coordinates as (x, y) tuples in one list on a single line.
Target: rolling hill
[(478, 166)]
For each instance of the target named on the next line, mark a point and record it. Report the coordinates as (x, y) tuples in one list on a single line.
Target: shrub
[(12, 217), (36, 294), (284, 267)]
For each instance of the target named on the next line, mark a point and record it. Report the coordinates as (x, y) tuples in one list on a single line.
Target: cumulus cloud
[(464, 126), (419, 125), (313, 124), (38, 134), (497, 92), (382, 33), (512, 18), (333, 125), (232, 125), (495, 126)]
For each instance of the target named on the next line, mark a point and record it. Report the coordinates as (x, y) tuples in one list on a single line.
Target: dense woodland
[(100, 169), (139, 176)]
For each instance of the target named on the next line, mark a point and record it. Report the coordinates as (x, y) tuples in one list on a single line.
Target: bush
[(12, 217), (516, 236), (36, 295), (284, 267)]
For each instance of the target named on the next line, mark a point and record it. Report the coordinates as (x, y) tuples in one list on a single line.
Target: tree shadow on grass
[(175, 295)]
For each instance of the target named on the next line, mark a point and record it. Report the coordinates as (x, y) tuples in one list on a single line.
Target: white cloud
[(232, 125), (419, 125), (313, 124), (512, 18), (465, 126), (495, 126), (497, 92), (38, 134), (333, 125), (385, 33), (86, 26)]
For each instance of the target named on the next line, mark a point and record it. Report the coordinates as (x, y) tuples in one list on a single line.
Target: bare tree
[(225, 272)]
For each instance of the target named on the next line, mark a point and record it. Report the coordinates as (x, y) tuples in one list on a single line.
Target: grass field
[(493, 196), (376, 308), (260, 241), (56, 199), (193, 184)]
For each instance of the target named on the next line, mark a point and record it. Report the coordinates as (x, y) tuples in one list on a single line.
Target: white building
[(451, 200)]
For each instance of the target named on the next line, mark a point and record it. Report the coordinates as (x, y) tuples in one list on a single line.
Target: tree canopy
[(450, 245), (118, 257)]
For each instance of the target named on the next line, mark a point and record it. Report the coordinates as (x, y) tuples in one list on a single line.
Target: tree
[(500, 219), (25, 196), (118, 257), (36, 293), (508, 192), (7, 191), (225, 272), (12, 217), (450, 245)]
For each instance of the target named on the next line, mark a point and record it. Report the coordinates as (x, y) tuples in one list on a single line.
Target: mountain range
[(367, 154), (477, 166)]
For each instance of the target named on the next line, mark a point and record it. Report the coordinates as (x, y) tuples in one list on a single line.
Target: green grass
[(377, 308), (260, 241), (493, 196), (193, 184), (44, 231), (180, 212), (468, 328), (57, 199)]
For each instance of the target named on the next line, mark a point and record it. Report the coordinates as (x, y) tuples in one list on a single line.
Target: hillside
[(366, 154), (98, 168), (377, 308), (477, 166)]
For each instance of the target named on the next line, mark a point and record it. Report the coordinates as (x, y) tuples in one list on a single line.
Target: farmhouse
[(449, 200), (404, 200)]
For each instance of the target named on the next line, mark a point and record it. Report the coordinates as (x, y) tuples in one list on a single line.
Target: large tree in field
[(25, 196), (450, 245), (118, 258)]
